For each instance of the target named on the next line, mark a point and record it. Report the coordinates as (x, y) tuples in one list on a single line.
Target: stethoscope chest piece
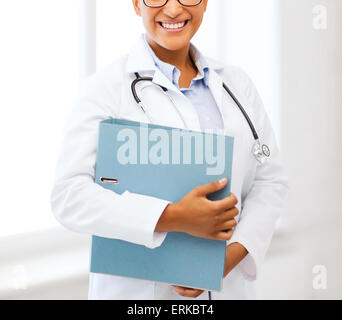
[(266, 150), (260, 152)]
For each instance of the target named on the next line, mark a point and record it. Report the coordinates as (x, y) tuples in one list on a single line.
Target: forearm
[(235, 252)]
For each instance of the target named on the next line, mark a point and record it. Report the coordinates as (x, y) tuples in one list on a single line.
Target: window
[(118, 28), (39, 83)]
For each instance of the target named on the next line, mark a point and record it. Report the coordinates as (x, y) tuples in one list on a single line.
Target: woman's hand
[(235, 252), (196, 215), (187, 292)]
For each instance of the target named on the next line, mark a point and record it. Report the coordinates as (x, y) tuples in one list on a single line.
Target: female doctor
[(196, 100)]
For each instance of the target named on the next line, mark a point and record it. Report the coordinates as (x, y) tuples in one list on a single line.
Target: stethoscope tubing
[(250, 123), (139, 79), (231, 94)]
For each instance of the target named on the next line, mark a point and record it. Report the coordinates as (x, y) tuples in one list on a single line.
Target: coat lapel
[(215, 84)]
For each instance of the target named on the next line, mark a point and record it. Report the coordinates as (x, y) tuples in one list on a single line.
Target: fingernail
[(222, 181)]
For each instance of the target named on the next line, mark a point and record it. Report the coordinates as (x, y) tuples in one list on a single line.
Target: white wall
[(311, 87)]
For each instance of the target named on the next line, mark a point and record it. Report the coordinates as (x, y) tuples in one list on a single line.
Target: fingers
[(187, 292), (228, 215), (211, 187), (227, 225), (224, 236), (226, 203)]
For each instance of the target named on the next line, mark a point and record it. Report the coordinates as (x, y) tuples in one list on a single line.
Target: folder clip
[(107, 180)]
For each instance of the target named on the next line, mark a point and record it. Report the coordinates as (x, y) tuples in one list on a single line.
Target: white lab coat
[(83, 206)]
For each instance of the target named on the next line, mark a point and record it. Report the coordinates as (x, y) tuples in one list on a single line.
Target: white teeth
[(173, 25)]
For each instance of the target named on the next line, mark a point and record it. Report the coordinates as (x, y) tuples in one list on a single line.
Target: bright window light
[(39, 83), (118, 28)]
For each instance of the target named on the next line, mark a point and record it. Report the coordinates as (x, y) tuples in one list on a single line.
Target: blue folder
[(165, 169)]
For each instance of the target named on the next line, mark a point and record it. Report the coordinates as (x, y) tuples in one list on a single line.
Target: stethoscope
[(260, 152)]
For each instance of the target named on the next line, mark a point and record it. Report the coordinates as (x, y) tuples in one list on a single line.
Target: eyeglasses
[(162, 3)]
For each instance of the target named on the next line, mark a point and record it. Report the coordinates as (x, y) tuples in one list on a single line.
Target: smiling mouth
[(173, 26)]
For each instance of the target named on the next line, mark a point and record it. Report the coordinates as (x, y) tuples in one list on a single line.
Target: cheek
[(149, 24), (198, 19), (148, 17)]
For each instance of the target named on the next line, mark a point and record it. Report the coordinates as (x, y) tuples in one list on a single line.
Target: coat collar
[(140, 60)]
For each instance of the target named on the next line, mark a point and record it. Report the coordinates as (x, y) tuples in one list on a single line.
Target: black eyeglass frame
[(166, 1)]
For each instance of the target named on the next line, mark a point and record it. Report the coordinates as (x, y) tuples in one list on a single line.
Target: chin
[(173, 43)]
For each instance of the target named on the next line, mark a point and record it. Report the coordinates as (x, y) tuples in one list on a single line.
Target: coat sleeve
[(261, 207), (77, 201)]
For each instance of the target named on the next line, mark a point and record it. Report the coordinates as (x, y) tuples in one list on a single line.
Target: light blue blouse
[(198, 93)]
